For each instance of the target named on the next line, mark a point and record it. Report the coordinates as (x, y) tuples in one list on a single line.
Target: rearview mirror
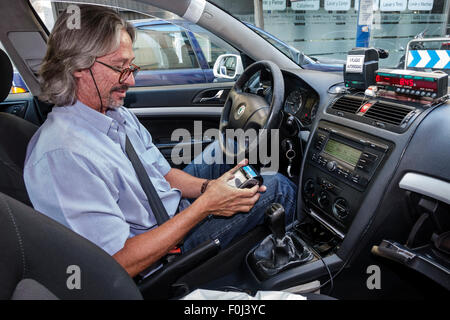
[(228, 66)]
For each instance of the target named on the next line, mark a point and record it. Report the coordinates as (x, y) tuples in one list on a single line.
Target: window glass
[(168, 49), (163, 47), (327, 29), (18, 85), (211, 45)]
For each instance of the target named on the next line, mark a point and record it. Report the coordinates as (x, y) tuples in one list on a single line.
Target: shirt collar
[(96, 119)]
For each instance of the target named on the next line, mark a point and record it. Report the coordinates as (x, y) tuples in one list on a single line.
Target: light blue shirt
[(77, 172)]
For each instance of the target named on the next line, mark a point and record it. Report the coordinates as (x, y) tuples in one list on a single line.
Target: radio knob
[(331, 166), (323, 200), (308, 188)]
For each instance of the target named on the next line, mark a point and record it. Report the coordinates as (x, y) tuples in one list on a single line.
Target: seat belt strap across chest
[(154, 200)]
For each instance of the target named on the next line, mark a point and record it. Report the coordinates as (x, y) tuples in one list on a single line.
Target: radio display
[(343, 152)]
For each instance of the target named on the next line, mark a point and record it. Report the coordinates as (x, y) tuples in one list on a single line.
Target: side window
[(169, 49), (163, 47), (211, 45), (17, 85)]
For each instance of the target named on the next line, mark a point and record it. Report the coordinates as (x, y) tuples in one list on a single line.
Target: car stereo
[(349, 158), (340, 164)]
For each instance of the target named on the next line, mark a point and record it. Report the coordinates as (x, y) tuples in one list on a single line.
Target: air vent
[(388, 112), (347, 104)]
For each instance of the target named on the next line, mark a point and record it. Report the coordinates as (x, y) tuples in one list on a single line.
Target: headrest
[(6, 75)]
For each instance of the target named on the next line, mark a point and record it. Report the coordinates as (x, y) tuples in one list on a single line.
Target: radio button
[(355, 178), (369, 156), (331, 166)]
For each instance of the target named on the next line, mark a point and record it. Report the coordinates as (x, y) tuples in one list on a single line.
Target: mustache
[(123, 87)]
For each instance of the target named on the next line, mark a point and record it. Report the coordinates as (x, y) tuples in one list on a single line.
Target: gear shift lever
[(280, 250), (275, 220)]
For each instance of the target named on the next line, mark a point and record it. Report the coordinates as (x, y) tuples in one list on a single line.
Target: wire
[(331, 277)]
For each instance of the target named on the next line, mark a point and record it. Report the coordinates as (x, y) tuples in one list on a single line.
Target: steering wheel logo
[(240, 111)]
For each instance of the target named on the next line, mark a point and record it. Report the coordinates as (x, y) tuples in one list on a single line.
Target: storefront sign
[(305, 5), (423, 5), (274, 5), (337, 5), (393, 5)]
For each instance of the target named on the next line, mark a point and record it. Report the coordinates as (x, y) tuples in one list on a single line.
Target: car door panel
[(164, 109)]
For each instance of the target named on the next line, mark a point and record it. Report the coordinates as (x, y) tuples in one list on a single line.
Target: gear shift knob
[(275, 220)]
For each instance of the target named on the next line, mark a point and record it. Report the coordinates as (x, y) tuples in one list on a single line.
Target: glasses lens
[(124, 75)]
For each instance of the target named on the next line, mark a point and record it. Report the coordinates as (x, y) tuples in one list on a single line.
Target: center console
[(340, 165)]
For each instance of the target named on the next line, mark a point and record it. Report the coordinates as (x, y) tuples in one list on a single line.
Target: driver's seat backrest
[(15, 133), (40, 259)]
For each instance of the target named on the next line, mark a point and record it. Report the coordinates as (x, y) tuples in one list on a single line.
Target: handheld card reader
[(246, 177)]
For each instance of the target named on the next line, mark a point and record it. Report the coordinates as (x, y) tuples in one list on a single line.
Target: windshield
[(326, 30)]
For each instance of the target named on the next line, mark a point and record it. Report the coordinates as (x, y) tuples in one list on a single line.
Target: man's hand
[(224, 200)]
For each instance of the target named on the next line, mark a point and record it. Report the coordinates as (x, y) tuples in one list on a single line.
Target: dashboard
[(301, 104), (352, 193), (300, 101)]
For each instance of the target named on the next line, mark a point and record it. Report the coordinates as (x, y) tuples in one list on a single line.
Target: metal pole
[(259, 18)]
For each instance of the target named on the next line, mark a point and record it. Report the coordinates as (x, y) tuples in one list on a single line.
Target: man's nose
[(130, 81)]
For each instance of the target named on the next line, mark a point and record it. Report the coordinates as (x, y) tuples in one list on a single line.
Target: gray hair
[(71, 49)]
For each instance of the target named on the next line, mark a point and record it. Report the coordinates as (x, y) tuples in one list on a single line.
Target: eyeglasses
[(124, 73)]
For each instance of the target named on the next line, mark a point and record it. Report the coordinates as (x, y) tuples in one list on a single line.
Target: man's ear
[(79, 73)]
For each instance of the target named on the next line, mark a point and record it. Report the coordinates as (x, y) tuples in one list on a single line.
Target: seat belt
[(154, 200)]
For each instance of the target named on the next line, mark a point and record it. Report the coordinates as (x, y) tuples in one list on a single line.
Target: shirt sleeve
[(83, 198)]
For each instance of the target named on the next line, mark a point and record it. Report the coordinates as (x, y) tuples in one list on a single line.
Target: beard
[(115, 103)]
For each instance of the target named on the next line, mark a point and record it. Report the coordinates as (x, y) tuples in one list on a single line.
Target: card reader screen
[(249, 171), (343, 152)]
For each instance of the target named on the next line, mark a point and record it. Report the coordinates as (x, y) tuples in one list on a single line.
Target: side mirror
[(228, 66)]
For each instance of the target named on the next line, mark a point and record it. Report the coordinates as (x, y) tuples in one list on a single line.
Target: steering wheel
[(245, 111)]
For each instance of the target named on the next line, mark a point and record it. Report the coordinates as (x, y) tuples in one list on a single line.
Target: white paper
[(366, 13), (376, 3), (202, 294), (355, 63)]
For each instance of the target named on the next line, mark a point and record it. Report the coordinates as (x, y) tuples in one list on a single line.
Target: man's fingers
[(251, 191), (230, 173)]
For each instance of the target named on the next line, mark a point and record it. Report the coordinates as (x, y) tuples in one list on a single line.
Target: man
[(77, 171)]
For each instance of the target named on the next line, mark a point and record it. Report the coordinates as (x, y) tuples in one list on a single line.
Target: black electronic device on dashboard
[(340, 164), (431, 85), (350, 158), (360, 68), (246, 177)]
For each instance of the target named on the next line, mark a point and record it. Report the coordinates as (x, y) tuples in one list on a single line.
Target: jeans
[(279, 189)]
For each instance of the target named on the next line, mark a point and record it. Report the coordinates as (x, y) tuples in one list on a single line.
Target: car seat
[(15, 133)]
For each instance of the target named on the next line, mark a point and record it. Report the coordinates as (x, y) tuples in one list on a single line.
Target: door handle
[(217, 97)]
